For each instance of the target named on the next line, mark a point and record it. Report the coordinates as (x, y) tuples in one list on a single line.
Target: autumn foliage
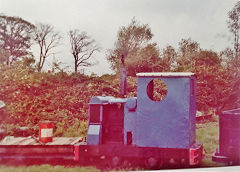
[(31, 97), (63, 98)]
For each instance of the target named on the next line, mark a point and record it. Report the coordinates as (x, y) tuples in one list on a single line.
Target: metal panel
[(106, 100), (2, 104), (192, 110), (130, 118), (123, 88), (113, 123), (165, 123), (95, 116), (94, 134), (166, 74), (229, 137), (100, 99)]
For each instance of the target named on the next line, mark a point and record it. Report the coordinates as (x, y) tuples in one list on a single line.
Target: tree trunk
[(76, 67)]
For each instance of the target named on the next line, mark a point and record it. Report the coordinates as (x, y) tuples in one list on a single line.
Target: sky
[(203, 21)]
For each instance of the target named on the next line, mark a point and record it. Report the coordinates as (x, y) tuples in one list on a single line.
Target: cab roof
[(166, 74)]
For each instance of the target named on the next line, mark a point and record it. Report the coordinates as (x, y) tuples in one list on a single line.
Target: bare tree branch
[(47, 39), (82, 48), (234, 27)]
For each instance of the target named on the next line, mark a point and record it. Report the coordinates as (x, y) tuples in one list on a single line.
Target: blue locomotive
[(143, 131)]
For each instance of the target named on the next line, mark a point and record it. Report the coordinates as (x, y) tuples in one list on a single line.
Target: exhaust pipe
[(123, 86)]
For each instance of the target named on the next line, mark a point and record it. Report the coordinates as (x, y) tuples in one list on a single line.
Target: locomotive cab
[(167, 121)]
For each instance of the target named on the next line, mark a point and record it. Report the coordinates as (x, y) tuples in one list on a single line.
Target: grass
[(207, 133), (47, 168)]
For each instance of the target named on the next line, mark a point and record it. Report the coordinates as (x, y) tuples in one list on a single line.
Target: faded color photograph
[(130, 85)]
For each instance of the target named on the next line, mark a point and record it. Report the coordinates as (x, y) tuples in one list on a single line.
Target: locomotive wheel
[(184, 163), (115, 162), (126, 164), (153, 163)]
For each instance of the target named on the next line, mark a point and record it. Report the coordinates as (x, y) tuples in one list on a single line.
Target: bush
[(31, 97), (214, 85)]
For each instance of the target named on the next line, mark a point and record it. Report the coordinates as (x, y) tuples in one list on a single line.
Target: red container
[(46, 131)]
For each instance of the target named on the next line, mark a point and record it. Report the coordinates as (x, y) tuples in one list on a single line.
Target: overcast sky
[(204, 21)]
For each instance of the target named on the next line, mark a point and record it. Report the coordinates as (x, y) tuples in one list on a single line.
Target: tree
[(144, 60), (150, 59), (28, 62), (227, 56), (15, 37), (168, 58), (47, 39), (208, 58), (213, 79), (3, 55), (130, 40), (187, 54), (82, 48), (234, 27)]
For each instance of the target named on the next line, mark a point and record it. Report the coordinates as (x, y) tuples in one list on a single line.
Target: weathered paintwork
[(11, 140), (28, 150), (229, 137), (169, 123), (94, 134), (96, 107)]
